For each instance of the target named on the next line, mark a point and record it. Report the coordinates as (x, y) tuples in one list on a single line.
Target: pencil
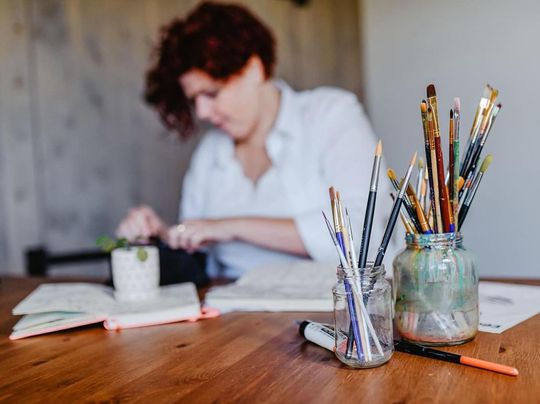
[(414, 349), (370, 208), (393, 216)]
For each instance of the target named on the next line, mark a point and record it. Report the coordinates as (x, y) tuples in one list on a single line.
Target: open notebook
[(297, 286), (58, 306)]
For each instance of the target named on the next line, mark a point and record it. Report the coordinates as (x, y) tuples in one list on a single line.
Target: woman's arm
[(272, 233)]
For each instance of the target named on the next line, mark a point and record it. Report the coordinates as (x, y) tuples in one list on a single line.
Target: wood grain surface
[(245, 357)]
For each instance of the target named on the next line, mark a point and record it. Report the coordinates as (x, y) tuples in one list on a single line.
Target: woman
[(258, 180)]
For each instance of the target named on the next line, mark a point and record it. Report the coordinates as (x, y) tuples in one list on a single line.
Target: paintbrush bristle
[(487, 91), (413, 160), (460, 182), (485, 164), (332, 192), (457, 105), (391, 174), (451, 114), (420, 163), (378, 150), (494, 95), (423, 106), (431, 91)]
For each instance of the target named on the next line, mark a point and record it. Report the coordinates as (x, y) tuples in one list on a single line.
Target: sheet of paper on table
[(307, 286), (504, 305)]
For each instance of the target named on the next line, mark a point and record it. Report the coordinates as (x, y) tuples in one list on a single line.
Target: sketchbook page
[(297, 286), (504, 305), (34, 324), (174, 303), (72, 297), (33, 320)]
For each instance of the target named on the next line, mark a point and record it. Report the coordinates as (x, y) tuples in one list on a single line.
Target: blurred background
[(78, 147)]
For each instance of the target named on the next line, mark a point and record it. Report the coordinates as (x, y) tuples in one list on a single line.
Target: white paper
[(72, 297), (504, 305), (298, 286), (59, 306)]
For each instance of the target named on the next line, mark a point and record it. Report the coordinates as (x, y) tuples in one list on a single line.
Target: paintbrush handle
[(366, 233), (388, 232), (443, 192)]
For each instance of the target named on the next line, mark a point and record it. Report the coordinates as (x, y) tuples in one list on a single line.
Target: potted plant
[(135, 269)]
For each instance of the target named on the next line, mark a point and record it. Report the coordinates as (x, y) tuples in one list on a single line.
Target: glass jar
[(365, 298), (436, 290)]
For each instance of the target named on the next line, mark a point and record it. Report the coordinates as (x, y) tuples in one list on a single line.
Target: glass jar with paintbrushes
[(436, 290), (364, 336), (362, 296), (435, 277)]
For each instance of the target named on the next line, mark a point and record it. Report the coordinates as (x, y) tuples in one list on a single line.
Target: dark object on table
[(176, 266)]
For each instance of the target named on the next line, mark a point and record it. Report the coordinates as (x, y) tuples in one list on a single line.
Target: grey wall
[(460, 46), (77, 145)]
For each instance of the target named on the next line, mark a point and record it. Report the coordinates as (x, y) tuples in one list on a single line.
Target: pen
[(324, 336), (407, 347)]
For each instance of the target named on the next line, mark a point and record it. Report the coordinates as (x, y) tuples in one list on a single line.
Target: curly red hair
[(215, 38)]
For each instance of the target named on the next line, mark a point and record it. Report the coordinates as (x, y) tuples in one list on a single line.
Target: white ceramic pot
[(135, 279)]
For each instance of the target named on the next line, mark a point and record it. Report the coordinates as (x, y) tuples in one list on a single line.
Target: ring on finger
[(181, 228)]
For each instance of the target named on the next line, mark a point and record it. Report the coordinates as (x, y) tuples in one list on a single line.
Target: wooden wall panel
[(19, 218), (91, 148)]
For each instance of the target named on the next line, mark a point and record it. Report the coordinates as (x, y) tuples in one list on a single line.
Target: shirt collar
[(288, 119), (287, 126)]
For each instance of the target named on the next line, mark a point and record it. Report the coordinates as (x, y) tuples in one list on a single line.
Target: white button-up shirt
[(321, 138)]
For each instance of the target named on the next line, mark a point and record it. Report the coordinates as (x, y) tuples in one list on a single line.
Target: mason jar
[(436, 290), (363, 317)]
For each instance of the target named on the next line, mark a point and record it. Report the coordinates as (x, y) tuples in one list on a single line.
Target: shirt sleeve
[(347, 149)]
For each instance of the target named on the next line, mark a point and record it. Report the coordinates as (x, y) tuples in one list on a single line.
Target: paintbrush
[(475, 157), (468, 201), (429, 163), (411, 212), (420, 177), (443, 192), (435, 203), (454, 184), (409, 228), (393, 217), (451, 180), (370, 208)]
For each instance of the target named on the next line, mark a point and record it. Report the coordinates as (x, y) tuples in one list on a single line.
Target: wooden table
[(245, 358)]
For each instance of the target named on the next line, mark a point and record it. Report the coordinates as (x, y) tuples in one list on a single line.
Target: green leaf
[(122, 243), (142, 255), (106, 243)]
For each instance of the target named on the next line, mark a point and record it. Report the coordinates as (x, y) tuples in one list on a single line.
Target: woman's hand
[(192, 235), (141, 223)]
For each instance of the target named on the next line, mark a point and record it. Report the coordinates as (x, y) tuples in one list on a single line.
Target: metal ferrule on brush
[(375, 174)]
